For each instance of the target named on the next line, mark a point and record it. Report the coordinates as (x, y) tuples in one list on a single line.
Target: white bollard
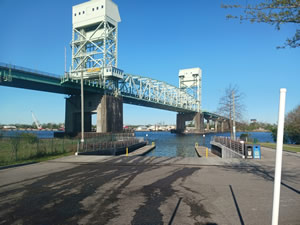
[(278, 163)]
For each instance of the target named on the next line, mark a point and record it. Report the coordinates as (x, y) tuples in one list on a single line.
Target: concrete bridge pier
[(109, 110), (110, 114), (222, 125), (216, 125), (183, 117), (207, 124), (199, 121), (225, 126), (73, 116)]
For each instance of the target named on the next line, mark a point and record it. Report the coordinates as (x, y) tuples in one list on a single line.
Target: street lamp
[(82, 110)]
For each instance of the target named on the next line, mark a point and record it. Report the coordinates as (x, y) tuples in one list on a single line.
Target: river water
[(167, 144), (183, 145)]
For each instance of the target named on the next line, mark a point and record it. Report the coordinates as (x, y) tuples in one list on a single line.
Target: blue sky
[(156, 39)]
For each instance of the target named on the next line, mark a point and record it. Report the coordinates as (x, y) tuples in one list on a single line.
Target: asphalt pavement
[(149, 190)]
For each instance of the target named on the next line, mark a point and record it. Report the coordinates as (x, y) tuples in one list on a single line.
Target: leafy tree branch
[(274, 12)]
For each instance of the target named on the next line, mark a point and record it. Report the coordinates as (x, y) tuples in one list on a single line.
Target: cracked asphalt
[(149, 190)]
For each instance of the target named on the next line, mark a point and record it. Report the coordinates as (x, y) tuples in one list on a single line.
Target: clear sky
[(156, 39)]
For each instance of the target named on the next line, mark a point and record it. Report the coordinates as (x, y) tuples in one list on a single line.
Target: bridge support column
[(227, 125), (216, 125), (222, 126), (180, 122), (207, 125), (73, 116), (199, 121), (110, 114), (183, 117)]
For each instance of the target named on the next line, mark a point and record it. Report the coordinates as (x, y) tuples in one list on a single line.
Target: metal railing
[(235, 145), (11, 66), (99, 144)]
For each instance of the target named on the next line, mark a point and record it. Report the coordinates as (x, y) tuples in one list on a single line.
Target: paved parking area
[(149, 190)]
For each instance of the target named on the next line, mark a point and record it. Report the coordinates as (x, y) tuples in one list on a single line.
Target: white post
[(82, 110), (233, 109), (278, 163)]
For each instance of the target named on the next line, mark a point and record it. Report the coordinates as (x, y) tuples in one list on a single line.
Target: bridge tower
[(95, 58), (95, 41), (190, 82)]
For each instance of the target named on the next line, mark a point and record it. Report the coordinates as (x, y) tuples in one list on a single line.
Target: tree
[(274, 135), (274, 12), (292, 124), (226, 105), (291, 127)]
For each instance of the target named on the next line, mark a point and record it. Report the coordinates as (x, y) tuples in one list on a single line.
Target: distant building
[(9, 127), (141, 128), (253, 120)]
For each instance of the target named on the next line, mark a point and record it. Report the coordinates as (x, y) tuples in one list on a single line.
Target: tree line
[(33, 126)]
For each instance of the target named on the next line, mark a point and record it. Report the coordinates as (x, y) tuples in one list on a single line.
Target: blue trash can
[(256, 152)]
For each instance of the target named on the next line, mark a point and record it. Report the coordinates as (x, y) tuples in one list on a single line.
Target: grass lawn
[(17, 151), (37, 159), (292, 148)]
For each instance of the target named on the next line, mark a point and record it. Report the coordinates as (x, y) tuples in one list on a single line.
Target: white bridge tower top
[(190, 81), (95, 40)]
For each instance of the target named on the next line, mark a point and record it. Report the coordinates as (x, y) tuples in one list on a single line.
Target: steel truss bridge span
[(144, 91), (134, 89)]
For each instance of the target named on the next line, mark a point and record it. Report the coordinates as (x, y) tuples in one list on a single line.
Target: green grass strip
[(37, 159), (286, 147)]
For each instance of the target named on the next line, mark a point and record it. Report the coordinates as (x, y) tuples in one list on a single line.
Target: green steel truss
[(134, 89)]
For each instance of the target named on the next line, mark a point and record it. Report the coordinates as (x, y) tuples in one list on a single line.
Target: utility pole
[(233, 111)]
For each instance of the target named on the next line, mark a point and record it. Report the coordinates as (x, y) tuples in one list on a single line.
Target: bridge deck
[(150, 93)]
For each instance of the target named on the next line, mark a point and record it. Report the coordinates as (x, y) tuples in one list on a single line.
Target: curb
[(16, 165)]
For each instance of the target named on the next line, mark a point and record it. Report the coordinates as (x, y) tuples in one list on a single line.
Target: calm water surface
[(167, 144), (172, 145)]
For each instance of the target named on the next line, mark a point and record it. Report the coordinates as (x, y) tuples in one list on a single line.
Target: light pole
[(82, 110)]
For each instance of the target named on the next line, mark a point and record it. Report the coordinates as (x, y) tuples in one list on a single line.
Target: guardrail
[(11, 66), (107, 147), (235, 145), (229, 148)]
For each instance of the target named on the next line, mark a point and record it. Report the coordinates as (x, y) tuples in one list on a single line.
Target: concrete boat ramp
[(142, 151), (203, 151), (149, 190)]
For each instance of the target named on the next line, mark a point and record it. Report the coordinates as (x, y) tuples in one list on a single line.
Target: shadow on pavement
[(237, 206), (91, 193), (265, 173), (175, 211)]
